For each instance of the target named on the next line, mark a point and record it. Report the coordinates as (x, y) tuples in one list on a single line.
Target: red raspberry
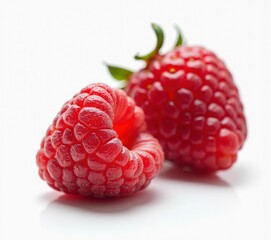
[(191, 104), (98, 146)]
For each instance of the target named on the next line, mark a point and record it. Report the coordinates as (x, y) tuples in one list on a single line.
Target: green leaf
[(119, 73), (160, 40), (179, 40)]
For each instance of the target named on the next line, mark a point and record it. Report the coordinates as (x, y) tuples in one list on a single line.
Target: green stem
[(160, 40), (179, 40)]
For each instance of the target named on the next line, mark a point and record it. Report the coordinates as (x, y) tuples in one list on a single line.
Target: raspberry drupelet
[(191, 104), (98, 146)]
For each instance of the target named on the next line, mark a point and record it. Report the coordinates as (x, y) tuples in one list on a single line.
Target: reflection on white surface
[(93, 215), (175, 198)]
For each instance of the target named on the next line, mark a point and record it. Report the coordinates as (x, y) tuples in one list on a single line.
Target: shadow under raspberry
[(175, 173), (75, 215), (106, 206)]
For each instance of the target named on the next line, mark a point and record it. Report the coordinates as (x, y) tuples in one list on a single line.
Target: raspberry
[(191, 104), (98, 146)]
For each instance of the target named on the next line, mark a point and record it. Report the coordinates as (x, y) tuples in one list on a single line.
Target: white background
[(51, 49)]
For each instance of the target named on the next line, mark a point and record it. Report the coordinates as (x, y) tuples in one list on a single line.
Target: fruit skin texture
[(192, 106), (98, 146)]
